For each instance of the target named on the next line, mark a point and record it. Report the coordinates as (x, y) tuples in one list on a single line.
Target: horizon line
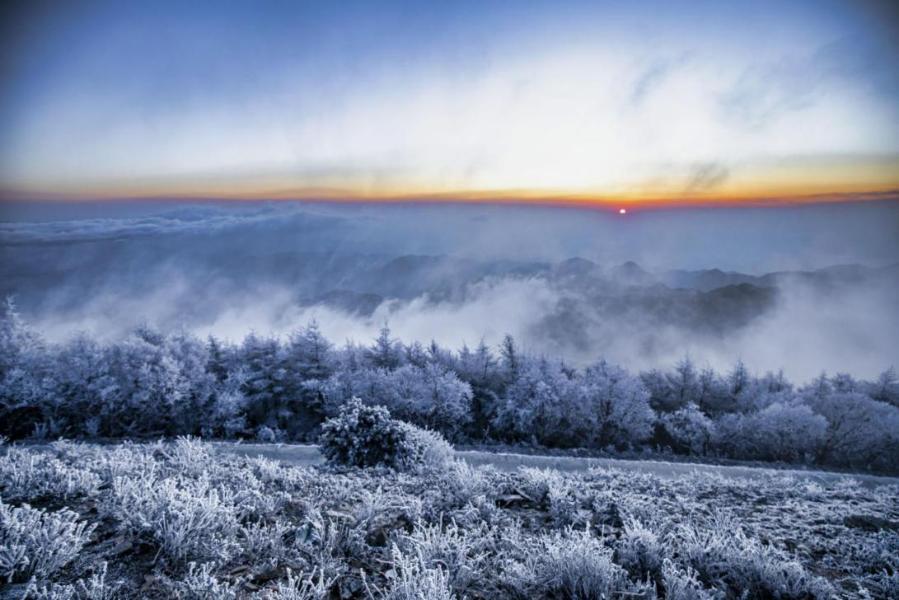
[(501, 198)]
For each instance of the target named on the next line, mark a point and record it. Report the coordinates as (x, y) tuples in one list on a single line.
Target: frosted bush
[(266, 435), (374, 504), (725, 557), (411, 579), (187, 518), (549, 488), (260, 541), (361, 436), (366, 436), (458, 532), (94, 587), (464, 553), (459, 483), (189, 456), (683, 584), (639, 550), (201, 584), (423, 449), (27, 475), (301, 588), (124, 461), (573, 564), (689, 428), (38, 543)]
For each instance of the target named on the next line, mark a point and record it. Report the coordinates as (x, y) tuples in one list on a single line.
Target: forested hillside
[(167, 384)]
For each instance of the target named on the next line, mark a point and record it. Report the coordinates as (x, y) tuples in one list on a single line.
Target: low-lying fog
[(805, 289)]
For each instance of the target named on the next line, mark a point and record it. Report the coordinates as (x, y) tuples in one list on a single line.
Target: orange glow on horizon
[(785, 183), (509, 198)]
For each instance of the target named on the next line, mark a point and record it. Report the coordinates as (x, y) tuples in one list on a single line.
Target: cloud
[(706, 177), (651, 78), (853, 69), (460, 273)]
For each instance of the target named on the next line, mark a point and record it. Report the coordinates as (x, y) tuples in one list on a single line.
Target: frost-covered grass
[(182, 520)]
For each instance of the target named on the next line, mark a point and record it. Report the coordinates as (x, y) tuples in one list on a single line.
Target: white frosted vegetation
[(180, 520)]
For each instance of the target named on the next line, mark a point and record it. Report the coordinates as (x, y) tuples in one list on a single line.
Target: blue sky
[(628, 101)]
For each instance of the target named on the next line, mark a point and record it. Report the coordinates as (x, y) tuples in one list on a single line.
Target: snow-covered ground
[(305, 454)]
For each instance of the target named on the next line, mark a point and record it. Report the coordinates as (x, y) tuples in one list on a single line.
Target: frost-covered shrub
[(412, 579), (573, 564), (301, 588), (861, 432), (361, 436), (187, 518), (689, 429), (462, 532), (266, 434), (94, 587), (640, 550), (262, 541), (780, 432), (27, 475), (366, 436), (726, 558), (423, 449), (463, 552), (380, 515), (200, 583), (459, 482), (39, 543), (683, 584), (554, 491)]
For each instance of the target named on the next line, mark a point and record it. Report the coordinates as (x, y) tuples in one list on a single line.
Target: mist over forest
[(779, 289)]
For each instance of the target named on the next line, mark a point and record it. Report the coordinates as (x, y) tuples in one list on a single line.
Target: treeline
[(155, 384)]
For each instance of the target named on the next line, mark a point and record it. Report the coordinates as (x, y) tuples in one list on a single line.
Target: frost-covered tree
[(479, 370), (861, 432), (671, 391), (167, 384), (263, 387), (416, 355), (886, 387), (738, 391), (782, 431), (657, 385), (443, 400), (430, 396), (509, 356), (76, 383), (844, 383), (386, 352), (217, 362), (538, 406), (618, 406), (308, 355), (18, 344), (689, 430), (23, 364)]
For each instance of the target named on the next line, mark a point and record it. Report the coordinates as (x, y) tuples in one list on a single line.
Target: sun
[(622, 211)]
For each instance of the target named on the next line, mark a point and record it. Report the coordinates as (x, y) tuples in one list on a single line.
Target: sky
[(572, 102)]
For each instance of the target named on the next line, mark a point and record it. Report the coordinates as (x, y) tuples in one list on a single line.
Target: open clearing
[(308, 455)]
